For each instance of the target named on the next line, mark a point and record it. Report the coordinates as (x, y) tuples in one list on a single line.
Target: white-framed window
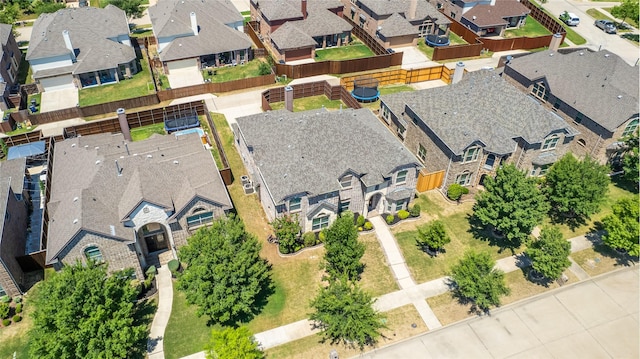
[(200, 218), (540, 170), (401, 131), (344, 205), (471, 154), (631, 127), (422, 153), (401, 177), (550, 142), (320, 222), (464, 178), (295, 204), (2, 292), (93, 253), (539, 90), (345, 182), (386, 113), (491, 159)]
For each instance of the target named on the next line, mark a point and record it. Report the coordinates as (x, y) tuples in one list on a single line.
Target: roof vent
[(581, 53), (75, 199), (175, 162), (75, 220), (149, 156), (97, 162), (113, 229), (551, 54), (73, 145), (86, 146), (96, 148), (606, 55), (619, 97)]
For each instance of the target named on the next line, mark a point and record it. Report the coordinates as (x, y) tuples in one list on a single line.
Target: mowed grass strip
[(354, 50), (311, 103)]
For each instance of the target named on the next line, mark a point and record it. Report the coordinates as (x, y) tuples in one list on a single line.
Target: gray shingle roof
[(492, 15), (292, 9), (289, 36), (483, 108), (423, 10), (590, 82), (172, 18), (308, 151), (396, 25), (99, 198), (93, 34)]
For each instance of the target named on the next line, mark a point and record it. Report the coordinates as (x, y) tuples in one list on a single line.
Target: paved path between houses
[(155, 348), (415, 295)]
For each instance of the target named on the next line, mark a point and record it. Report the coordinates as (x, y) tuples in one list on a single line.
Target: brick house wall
[(180, 230), (13, 244)]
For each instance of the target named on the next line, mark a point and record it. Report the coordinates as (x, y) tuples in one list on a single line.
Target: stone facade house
[(81, 47), (14, 212), (397, 23), (294, 29), (470, 128), (132, 201), (597, 92), (196, 33), (9, 63), (316, 164)]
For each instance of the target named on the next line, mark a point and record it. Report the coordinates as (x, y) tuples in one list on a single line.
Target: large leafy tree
[(132, 8), (476, 280), (433, 236), (345, 314), (232, 343), (628, 9), (576, 188), (343, 250), (83, 313), (287, 229), (224, 275), (622, 227), (549, 254), (631, 158), (512, 204)]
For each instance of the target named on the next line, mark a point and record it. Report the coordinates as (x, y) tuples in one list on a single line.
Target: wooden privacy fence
[(309, 89), (217, 87), (428, 181), (372, 42), (400, 76), (339, 67)]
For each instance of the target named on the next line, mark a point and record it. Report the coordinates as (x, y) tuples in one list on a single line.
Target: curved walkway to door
[(155, 344)]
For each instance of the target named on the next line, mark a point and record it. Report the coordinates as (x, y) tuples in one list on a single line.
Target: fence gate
[(429, 181)]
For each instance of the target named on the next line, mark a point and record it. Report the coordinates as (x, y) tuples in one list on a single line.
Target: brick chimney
[(303, 8), (288, 98)]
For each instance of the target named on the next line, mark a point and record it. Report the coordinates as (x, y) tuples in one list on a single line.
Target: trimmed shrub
[(360, 229), (402, 214), (360, 221), (456, 191), (390, 218), (283, 250), (368, 226), (309, 239), (321, 236), (17, 300), (6, 322), (4, 310), (19, 308), (5, 299), (415, 210), (151, 272), (174, 265), (17, 318)]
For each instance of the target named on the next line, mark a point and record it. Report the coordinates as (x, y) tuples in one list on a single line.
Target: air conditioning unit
[(248, 188), (245, 179)]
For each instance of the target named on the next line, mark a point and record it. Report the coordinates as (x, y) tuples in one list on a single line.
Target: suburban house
[(14, 211), (397, 23), (81, 47), (316, 164), (295, 28), (9, 63), (597, 92), (196, 33), (485, 17), (132, 201), (468, 129)]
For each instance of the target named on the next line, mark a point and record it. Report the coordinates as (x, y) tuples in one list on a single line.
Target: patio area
[(59, 99)]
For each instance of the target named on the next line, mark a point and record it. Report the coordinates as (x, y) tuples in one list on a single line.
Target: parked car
[(607, 26), (570, 19)]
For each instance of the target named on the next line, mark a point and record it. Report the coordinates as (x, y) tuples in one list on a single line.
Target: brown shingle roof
[(487, 15)]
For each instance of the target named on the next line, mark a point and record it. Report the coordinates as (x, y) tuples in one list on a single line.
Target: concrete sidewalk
[(395, 260), (155, 348)]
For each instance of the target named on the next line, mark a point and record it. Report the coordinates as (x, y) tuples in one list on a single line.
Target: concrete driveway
[(185, 77), (414, 58), (58, 99)]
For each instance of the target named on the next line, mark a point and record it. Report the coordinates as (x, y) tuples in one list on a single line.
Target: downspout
[(446, 174)]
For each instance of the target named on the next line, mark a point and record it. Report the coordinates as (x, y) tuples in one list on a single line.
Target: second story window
[(345, 182), (386, 114), (631, 128), (422, 153), (550, 143), (471, 154), (402, 176), (295, 204), (540, 91)]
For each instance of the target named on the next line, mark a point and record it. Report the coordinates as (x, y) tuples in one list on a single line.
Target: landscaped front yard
[(140, 84), (354, 50), (531, 28)]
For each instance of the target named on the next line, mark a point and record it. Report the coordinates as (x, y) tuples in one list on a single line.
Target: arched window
[(631, 127), (93, 253), (582, 142), (491, 159), (464, 178)]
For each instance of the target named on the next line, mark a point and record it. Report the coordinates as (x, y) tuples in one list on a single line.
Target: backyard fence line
[(307, 90)]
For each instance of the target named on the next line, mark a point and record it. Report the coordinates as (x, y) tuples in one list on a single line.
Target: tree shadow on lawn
[(145, 311), (573, 221), (464, 301), (621, 182), (485, 233), (621, 258), (524, 264)]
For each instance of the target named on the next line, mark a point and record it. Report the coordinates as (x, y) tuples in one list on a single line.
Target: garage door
[(182, 64), (57, 83)]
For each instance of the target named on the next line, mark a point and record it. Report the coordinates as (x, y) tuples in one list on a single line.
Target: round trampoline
[(437, 40), (365, 89)]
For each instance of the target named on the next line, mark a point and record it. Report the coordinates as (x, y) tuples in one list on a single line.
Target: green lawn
[(37, 97), (230, 73), (455, 39), (310, 103), (144, 132), (571, 34), (531, 28), (214, 149), (354, 50), (141, 33), (18, 131), (377, 278), (630, 21), (597, 15), (385, 90), (427, 50), (137, 86)]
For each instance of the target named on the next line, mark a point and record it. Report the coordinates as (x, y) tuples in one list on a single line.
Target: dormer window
[(540, 91), (401, 177), (345, 182), (295, 204), (550, 143), (471, 155)]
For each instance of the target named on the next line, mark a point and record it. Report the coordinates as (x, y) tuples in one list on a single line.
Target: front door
[(373, 202), (155, 237)]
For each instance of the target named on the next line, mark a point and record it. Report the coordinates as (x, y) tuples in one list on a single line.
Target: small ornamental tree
[(576, 188), (345, 314), (511, 204), (232, 343), (132, 8), (549, 254), (476, 280), (343, 251), (287, 229), (433, 236), (631, 158), (224, 274), (622, 227), (628, 9)]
